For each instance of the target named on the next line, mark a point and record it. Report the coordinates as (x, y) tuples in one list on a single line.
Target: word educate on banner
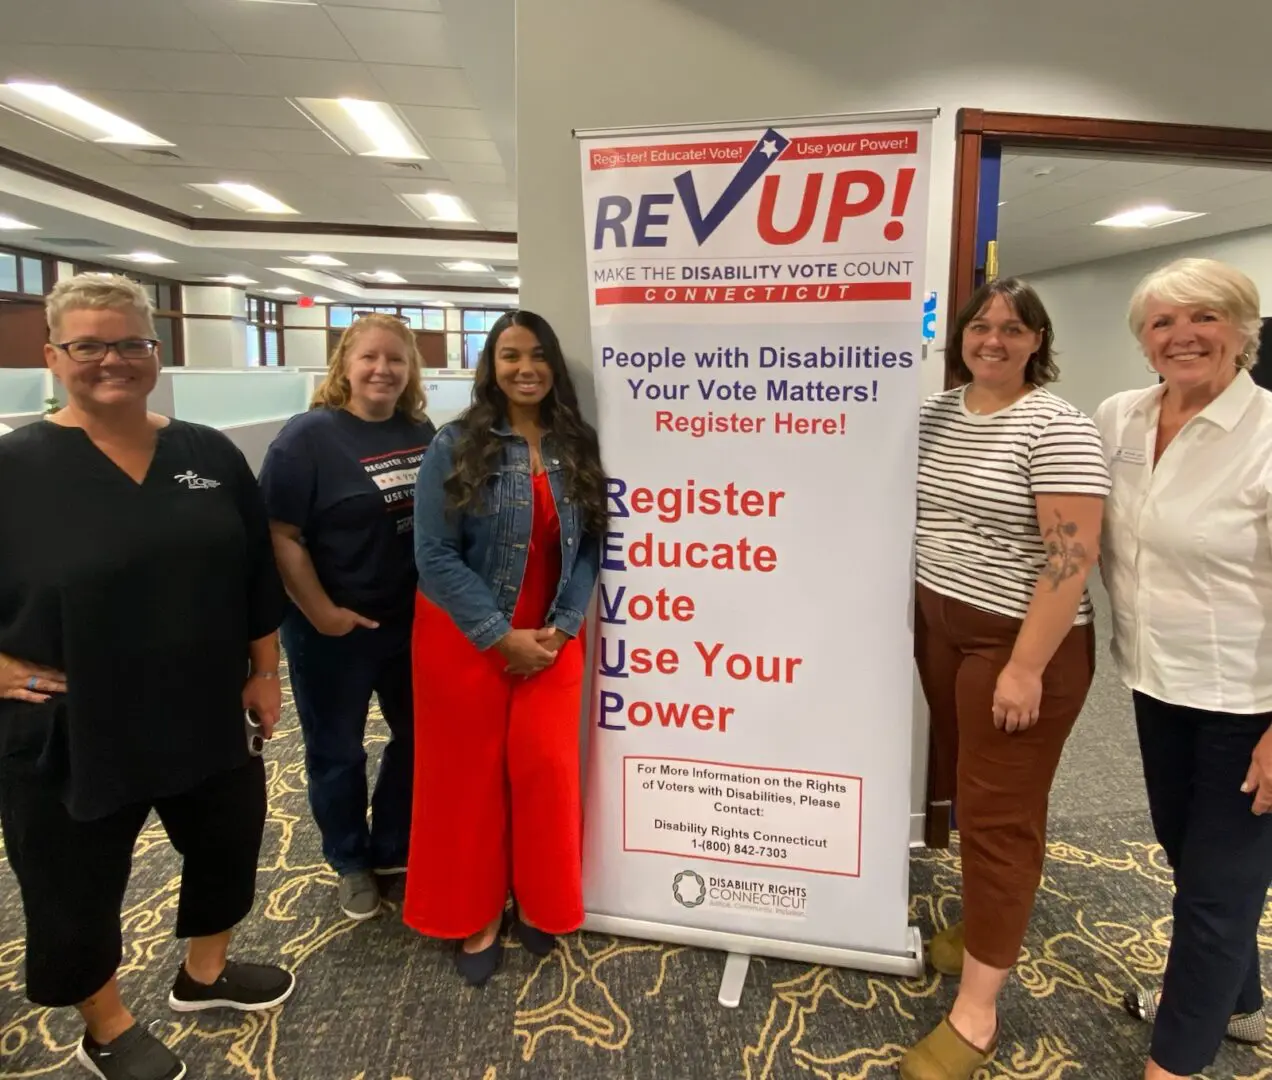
[(852, 193)]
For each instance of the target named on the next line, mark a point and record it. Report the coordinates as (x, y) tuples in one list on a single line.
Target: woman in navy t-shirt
[(339, 484)]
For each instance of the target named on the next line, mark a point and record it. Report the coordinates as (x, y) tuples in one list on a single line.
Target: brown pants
[(1003, 780)]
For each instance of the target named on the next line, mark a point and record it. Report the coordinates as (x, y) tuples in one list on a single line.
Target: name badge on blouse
[(1132, 455)]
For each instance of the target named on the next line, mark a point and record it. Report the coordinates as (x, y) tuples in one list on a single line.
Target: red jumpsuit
[(496, 798)]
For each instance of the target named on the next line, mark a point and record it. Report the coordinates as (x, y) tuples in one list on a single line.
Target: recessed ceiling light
[(511, 282), (72, 115), (365, 128), (315, 260), (438, 206), (386, 277), (1147, 217), (7, 222), (245, 197), (323, 300), (234, 279), (283, 290), (144, 257), (467, 266)]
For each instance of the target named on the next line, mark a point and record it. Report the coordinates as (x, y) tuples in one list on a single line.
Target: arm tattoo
[(1065, 555)]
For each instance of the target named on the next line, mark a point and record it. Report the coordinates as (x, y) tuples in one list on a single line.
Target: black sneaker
[(246, 987), (135, 1055)]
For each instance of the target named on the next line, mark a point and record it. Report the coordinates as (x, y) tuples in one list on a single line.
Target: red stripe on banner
[(754, 294), (838, 146), (697, 153)]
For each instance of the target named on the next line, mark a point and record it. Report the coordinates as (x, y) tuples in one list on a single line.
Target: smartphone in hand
[(255, 733)]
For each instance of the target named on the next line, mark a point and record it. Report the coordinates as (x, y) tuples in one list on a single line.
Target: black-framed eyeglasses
[(94, 352)]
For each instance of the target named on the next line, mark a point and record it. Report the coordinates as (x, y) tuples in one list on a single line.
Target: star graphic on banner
[(768, 148)]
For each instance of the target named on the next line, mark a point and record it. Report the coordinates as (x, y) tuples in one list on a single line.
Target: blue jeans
[(1221, 853), (333, 679)]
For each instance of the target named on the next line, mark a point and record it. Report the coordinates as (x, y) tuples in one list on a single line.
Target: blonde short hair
[(98, 292), (334, 390), (1206, 283)]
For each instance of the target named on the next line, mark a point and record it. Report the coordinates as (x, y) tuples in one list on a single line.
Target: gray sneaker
[(359, 895)]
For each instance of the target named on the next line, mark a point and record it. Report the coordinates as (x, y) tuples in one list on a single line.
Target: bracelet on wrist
[(263, 675)]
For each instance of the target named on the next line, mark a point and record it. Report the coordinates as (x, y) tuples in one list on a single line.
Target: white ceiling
[(1051, 202), (213, 76)]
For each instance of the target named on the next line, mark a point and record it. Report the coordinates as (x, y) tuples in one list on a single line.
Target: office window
[(434, 319), (413, 317), (33, 276), (477, 324), (339, 316), (8, 272), (264, 333)]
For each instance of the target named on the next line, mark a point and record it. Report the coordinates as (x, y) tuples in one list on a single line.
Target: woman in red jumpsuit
[(509, 512)]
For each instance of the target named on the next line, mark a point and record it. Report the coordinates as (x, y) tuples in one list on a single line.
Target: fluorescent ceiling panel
[(245, 197), (511, 282), (234, 279), (149, 257), (316, 260), (7, 222), (72, 115), (364, 128), (386, 277), (438, 206), (1148, 217), (467, 266)]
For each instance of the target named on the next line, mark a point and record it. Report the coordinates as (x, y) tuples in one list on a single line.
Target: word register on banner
[(756, 300)]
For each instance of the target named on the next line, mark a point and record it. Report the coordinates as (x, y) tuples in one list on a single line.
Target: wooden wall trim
[(212, 318), (41, 170)]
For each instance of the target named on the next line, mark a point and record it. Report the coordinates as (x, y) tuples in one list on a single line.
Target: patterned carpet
[(377, 1002)]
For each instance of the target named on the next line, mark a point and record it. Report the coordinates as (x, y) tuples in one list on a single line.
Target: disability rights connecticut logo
[(688, 888)]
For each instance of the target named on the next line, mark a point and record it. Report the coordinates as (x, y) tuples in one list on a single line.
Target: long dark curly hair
[(477, 447)]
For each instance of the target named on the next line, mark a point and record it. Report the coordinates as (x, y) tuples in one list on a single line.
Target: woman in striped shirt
[(1011, 488)]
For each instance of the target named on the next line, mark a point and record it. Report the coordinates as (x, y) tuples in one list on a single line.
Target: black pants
[(333, 679), (73, 873), (1194, 765)]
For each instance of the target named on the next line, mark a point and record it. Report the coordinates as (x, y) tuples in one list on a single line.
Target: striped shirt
[(978, 539)]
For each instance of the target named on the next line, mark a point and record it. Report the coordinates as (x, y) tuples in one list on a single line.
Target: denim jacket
[(471, 563)]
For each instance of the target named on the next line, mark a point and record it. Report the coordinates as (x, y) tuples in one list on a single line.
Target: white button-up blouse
[(1187, 549)]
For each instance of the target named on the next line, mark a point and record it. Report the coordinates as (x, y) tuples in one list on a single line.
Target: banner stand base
[(741, 947), (732, 982)]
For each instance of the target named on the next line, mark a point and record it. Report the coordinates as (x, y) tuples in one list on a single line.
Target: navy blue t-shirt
[(349, 485)]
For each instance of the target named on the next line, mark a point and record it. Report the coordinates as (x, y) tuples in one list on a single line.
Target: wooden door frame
[(974, 128)]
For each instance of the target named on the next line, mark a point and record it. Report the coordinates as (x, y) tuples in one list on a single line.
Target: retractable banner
[(757, 308)]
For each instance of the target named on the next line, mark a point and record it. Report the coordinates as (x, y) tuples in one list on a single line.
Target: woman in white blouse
[(1187, 557)]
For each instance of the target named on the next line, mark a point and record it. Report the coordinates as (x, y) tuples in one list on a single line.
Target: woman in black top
[(139, 604), (339, 485)]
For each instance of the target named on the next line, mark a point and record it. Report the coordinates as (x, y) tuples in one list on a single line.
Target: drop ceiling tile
[(273, 29), (389, 5), (481, 174), (445, 123), (465, 151), (1112, 175), (396, 37), (158, 24), (293, 78), (371, 170), (233, 110), (78, 67), (202, 73), (443, 87)]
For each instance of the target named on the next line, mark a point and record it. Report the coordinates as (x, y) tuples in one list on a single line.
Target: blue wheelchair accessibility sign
[(929, 317)]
